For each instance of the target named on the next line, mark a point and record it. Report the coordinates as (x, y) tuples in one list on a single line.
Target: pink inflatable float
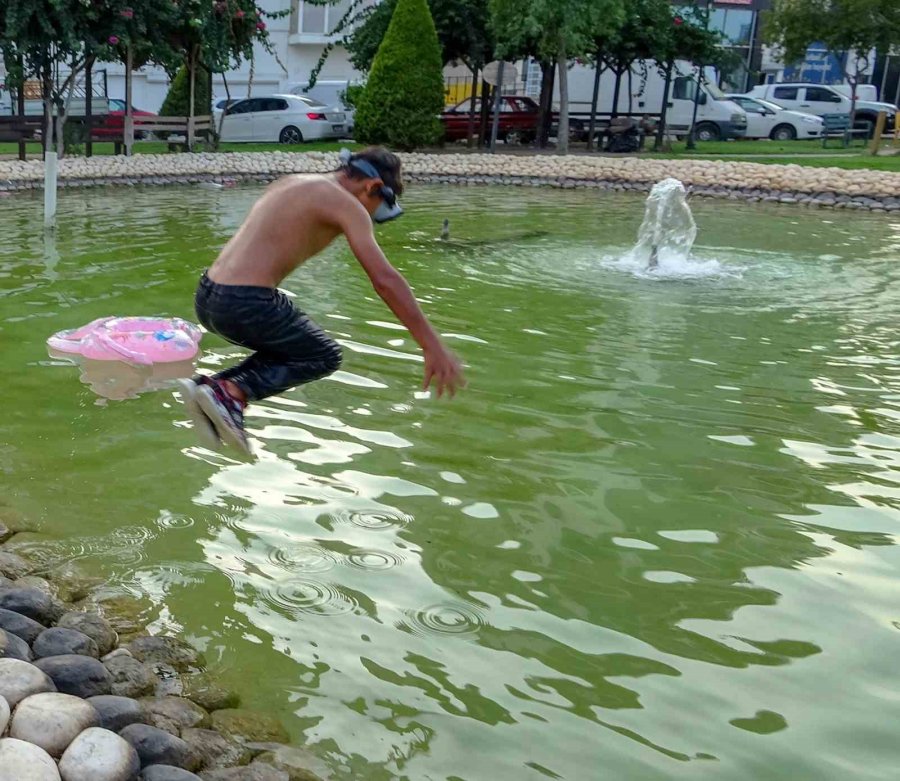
[(137, 340)]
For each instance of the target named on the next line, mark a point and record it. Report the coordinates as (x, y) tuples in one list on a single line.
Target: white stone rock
[(19, 680), (20, 761), (4, 714), (52, 721), (99, 755)]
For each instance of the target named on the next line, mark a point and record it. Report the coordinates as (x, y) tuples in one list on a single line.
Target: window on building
[(321, 19)]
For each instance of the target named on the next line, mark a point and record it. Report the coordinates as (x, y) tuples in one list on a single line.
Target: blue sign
[(819, 66)]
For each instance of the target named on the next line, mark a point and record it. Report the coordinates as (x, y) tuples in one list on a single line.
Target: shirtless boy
[(296, 218)]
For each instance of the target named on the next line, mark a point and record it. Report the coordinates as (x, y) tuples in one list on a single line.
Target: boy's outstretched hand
[(443, 370)]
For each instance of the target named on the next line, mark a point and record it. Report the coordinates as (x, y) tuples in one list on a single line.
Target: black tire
[(577, 131), (290, 135), (783, 133), (707, 131), (514, 138)]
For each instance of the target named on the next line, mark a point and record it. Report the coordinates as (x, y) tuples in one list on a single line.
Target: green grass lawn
[(766, 152), (766, 147)]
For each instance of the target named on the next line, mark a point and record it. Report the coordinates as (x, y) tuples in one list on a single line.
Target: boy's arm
[(441, 365)]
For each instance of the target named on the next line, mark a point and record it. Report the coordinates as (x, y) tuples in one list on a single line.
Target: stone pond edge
[(268, 756), (846, 189)]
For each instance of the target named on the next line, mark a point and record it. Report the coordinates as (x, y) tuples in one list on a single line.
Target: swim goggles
[(389, 208)]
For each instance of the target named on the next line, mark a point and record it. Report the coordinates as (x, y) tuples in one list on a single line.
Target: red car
[(112, 125), (518, 119)]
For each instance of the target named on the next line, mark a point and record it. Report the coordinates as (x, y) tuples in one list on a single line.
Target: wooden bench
[(182, 128), (838, 126)]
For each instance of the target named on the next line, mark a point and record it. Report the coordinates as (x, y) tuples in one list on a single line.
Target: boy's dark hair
[(386, 163)]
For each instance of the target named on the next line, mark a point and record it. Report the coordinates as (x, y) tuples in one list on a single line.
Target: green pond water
[(654, 539)]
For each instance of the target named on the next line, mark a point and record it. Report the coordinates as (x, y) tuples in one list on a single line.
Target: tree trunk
[(47, 91), (592, 125), (20, 105), (485, 113), (470, 133), (630, 93), (129, 118), (562, 140), (192, 75), (661, 130), (88, 108), (218, 132), (548, 74), (616, 90)]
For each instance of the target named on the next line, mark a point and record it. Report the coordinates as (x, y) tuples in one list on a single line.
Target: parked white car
[(769, 120), (287, 119), (821, 99)]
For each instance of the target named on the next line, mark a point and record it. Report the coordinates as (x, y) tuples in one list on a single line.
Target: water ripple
[(372, 560), (445, 619), (307, 596)]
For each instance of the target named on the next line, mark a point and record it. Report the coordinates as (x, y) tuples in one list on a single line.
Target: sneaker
[(226, 414), (203, 426)]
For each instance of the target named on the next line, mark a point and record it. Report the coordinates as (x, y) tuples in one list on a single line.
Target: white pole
[(50, 190)]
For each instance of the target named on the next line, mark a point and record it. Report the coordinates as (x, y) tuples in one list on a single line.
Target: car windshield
[(311, 102), (769, 105), (117, 105)]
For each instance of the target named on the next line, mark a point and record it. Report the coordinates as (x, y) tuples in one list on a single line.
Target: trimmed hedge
[(404, 94), (179, 95)]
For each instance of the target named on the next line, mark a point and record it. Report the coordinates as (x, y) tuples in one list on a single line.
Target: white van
[(718, 118)]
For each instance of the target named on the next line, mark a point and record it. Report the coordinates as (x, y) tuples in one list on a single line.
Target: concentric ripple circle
[(311, 597), (303, 557), (378, 520), (372, 560), (446, 618)]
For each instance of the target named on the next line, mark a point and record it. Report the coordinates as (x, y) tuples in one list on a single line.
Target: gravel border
[(832, 188)]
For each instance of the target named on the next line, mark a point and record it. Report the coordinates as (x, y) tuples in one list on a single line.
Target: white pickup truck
[(821, 99)]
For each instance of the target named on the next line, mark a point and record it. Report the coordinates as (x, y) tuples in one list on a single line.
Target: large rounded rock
[(72, 582), (13, 566), (299, 764), (33, 603), (174, 714), (13, 647), (20, 761), (80, 676), (4, 714), (19, 680), (94, 626), (41, 584), (20, 626), (156, 747), (167, 773), (250, 773), (247, 726), (130, 678), (52, 721), (59, 641), (126, 615), (208, 694), (99, 755), (167, 651), (116, 713), (215, 750)]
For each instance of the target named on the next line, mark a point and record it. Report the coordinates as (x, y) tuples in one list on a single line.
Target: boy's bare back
[(296, 218)]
